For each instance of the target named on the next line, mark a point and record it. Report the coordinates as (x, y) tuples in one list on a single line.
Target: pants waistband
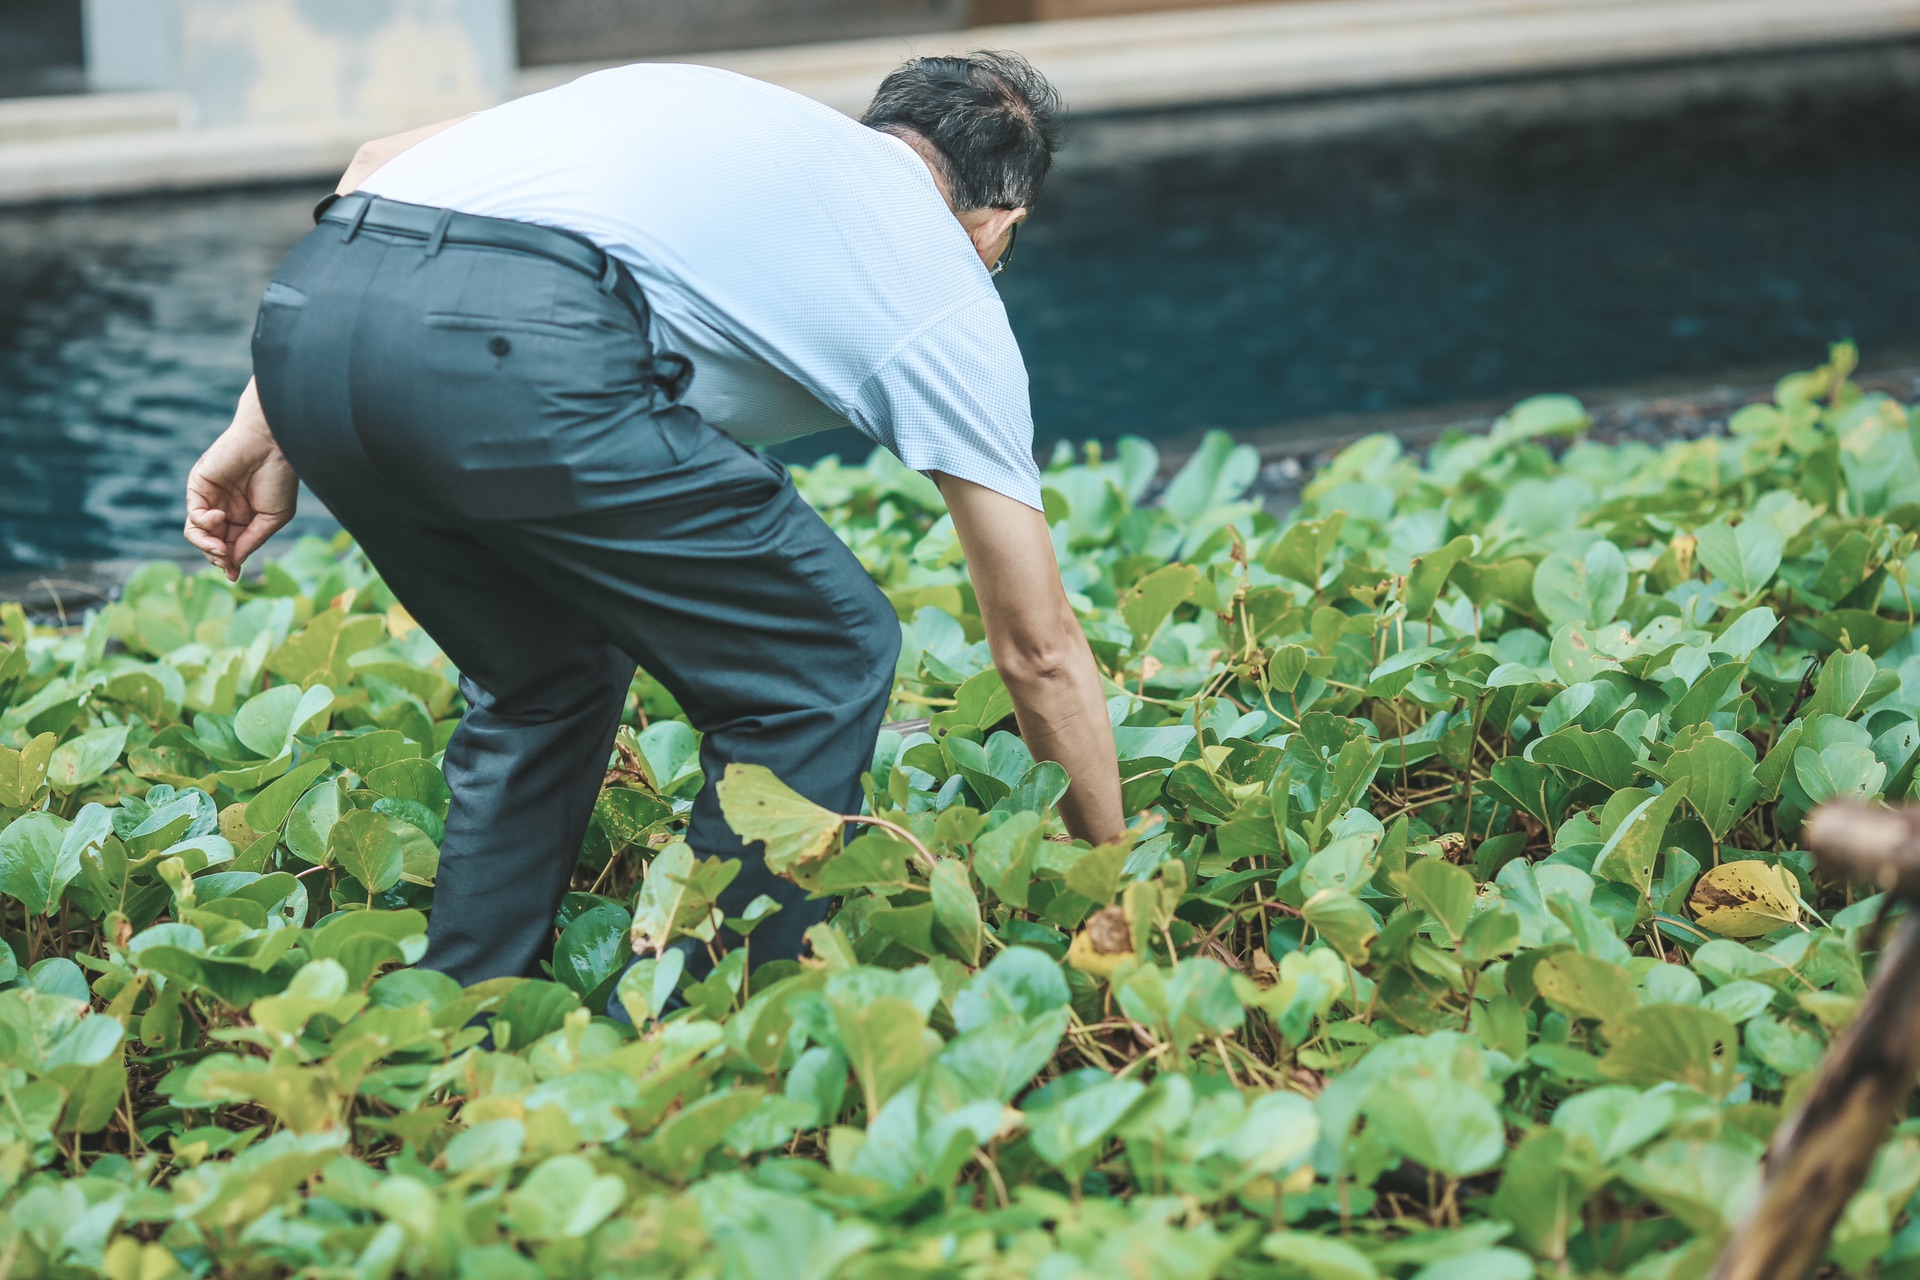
[(360, 211)]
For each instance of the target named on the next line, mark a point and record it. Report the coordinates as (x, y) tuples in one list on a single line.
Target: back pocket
[(498, 287), (282, 295), (280, 307)]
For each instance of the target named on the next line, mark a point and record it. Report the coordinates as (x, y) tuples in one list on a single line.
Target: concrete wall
[(983, 12), (553, 31), (263, 62)]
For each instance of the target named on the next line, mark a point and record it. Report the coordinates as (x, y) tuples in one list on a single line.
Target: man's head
[(987, 124)]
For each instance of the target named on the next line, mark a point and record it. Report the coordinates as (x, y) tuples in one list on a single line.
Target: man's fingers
[(217, 550), (207, 517), (249, 540), (206, 542), (246, 544), (257, 532)]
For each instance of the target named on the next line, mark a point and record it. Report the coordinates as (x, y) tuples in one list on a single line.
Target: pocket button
[(499, 345)]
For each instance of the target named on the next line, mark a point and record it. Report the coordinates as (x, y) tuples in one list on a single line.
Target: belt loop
[(610, 277), (439, 236), (358, 216)]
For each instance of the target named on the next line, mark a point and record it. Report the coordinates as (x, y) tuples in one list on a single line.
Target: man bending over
[(521, 359)]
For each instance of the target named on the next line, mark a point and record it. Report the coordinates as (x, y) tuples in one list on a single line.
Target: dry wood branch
[(1880, 845), (1823, 1153)]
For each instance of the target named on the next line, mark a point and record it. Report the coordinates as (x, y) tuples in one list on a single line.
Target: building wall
[(984, 12), (552, 31), (261, 61), (557, 31), (280, 61)]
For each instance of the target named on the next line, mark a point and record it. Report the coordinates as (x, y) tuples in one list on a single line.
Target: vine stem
[(993, 1175), (925, 859), (1243, 912)]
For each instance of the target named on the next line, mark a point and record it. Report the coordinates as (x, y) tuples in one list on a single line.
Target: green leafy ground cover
[(1462, 933)]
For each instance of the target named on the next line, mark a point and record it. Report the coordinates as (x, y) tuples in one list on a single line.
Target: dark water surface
[(1265, 266), (1247, 268)]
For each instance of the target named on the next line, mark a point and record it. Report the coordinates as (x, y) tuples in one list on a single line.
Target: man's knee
[(581, 683)]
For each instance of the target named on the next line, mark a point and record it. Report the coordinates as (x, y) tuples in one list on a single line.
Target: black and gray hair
[(992, 120)]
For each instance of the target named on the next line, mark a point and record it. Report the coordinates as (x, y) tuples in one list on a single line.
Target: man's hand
[(241, 492), (1040, 651)]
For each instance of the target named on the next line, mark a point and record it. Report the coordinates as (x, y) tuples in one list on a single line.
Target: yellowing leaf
[(1102, 943), (318, 653), (1744, 900), (22, 772), (1584, 987), (758, 806), (1682, 1043), (677, 897)]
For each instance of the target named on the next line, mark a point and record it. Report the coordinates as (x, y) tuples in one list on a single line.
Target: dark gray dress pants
[(484, 424)]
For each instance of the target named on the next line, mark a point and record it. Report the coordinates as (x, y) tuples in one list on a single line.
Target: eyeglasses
[(1006, 255)]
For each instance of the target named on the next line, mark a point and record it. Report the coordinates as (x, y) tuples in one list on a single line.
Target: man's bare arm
[(1039, 650), (242, 491), (372, 155)]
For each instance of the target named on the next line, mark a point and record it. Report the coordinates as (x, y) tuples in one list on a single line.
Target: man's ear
[(989, 229)]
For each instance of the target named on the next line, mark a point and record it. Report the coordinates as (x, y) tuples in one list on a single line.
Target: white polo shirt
[(806, 264)]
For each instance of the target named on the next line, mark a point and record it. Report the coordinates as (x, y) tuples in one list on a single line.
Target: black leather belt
[(669, 370), (359, 212)]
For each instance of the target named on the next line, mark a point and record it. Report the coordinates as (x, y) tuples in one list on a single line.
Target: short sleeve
[(954, 398)]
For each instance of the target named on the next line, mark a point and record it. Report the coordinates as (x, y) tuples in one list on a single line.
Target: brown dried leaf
[(1102, 943)]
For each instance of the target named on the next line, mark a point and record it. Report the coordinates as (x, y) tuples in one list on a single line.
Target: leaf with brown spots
[(1744, 900)]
